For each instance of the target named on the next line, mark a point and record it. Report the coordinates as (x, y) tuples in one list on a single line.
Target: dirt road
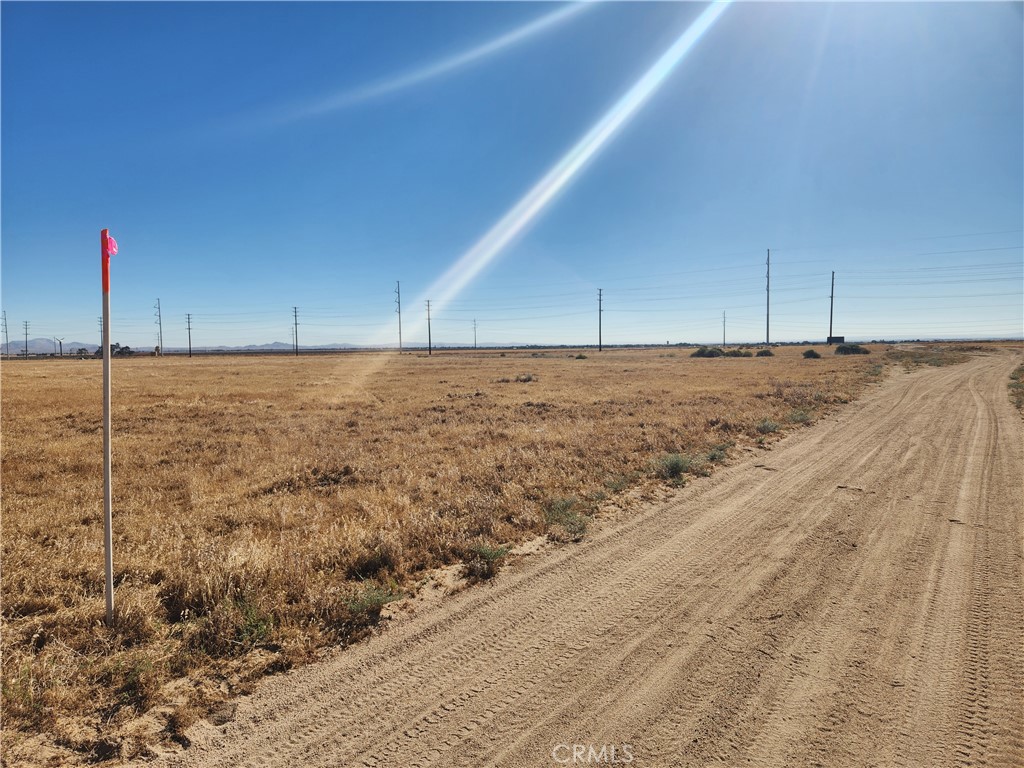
[(853, 597)]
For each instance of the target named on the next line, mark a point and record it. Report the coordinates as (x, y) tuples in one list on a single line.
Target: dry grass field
[(266, 508)]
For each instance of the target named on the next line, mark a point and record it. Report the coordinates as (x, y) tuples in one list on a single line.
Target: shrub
[(380, 555), (767, 426), (765, 353), (707, 352), (134, 680), (617, 483), (25, 696), (672, 466), (347, 613), (1016, 386), (739, 353), (811, 354), (798, 416), (719, 453), (232, 628), (486, 561), (567, 523), (370, 601), (852, 349), (581, 356)]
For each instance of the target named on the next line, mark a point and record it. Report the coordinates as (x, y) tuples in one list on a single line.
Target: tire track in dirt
[(863, 603)]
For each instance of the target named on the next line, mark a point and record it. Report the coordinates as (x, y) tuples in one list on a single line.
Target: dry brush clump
[(269, 508), (1016, 387), (936, 355)]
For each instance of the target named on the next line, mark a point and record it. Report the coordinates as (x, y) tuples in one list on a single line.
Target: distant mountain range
[(44, 346)]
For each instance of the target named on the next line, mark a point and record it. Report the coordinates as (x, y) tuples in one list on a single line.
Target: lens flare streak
[(438, 68), (513, 223)]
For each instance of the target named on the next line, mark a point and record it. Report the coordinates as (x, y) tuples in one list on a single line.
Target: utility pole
[(25, 323), (723, 328), (7, 339), (160, 327), (61, 342), (295, 315), (600, 311), (767, 298), (398, 309), (474, 333), (831, 304), (429, 340), (188, 322), (100, 321)]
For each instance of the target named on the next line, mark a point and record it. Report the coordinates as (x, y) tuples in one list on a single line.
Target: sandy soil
[(852, 597)]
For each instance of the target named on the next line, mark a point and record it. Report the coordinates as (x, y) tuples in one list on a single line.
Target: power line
[(911, 288), (1015, 265), (971, 234), (972, 250), (944, 296), (160, 327), (767, 296), (398, 309), (268, 313), (892, 242), (831, 304), (523, 318)]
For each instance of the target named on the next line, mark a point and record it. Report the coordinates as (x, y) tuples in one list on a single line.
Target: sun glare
[(468, 266)]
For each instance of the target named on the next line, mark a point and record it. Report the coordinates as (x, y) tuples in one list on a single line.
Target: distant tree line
[(116, 350)]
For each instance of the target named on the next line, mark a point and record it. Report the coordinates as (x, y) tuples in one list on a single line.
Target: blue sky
[(254, 157)]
